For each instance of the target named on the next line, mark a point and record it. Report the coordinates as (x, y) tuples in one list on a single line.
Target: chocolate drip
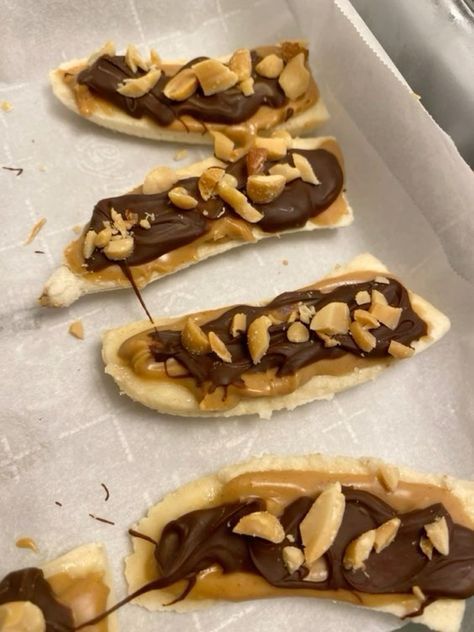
[(203, 538), (229, 107), (283, 355), (172, 228), (29, 584)]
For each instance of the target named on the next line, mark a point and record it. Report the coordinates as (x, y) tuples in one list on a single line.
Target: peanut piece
[(76, 329), (238, 202), (119, 249), (400, 351), (366, 319), (261, 524), (378, 297), (358, 551), (270, 66), (294, 79), (306, 313), (386, 533), (386, 314), (145, 223), (306, 170), (427, 547), (219, 347), (214, 77), (419, 594), (181, 198), (333, 318), (264, 189), (246, 87), (291, 48), (287, 171), (194, 339), (241, 64), (276, 147), (297, 332), (256, 158), (328, 341), (362, 297), (438, 533), (208, 182), (258, 338), (136, 88), (103, 237), (181, 86), (318, 571), (88, 246), (388, 476), (238, 324), (293, 558), (320, 525), (223, 147), (134, 60), (106, 49), (363, 338)]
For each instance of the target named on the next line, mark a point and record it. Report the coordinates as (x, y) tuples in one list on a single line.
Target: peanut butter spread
[(295, 345), (201, 555)]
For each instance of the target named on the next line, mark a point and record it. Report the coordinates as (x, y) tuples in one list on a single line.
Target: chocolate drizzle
[(29, 584), (284, 356), (229, 107), (172, 228)]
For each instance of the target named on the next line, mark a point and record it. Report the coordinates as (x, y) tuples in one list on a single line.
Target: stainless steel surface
[(432, 44)]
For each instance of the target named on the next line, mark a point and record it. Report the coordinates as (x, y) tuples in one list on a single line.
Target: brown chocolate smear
[(29, 584), (285, 356), (172, 228), (229, 107)]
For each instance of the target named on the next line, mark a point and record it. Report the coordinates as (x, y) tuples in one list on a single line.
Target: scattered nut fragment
[(320, 525), (388, 476), (378, 297), (134, 60), (333, 318), (294, 78), (386, 533), (119, 222), (363, 338), (366, 319), (181, 86), (106, 49), (119, 249), (427, 547), (382, 279), (103, 237), (399, 350), (270, 66), (438, 533), (276, 147), (76, 329), (223, 146), (306, 313), (180, 154), (193, 338), (287, 171), (208, 181), (159, 180), (21, 616), (297, 332), (89, 244), (386, 314), (291, 48), (419, 594), (265, 189), (241, 64), (238, 324), (35, 230), (6, 106), (229, 179), (175, 368), (238, 202), (214, 77), (219, 347), (318, 571), (256, 158), (145, 223), (258, 338), (362, 297), (358, 551), (180, 197), (293, 558), (306, 170), (328, 341), (261, 524), (136, 88), (293, 316), (246, 87)]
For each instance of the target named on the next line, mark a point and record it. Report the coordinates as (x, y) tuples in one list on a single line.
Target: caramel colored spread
[(286, 365), (65, 601), (175, 236), (199, 555), (96, 86)]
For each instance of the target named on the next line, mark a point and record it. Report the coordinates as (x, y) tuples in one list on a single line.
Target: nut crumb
[(35, 230), (77, 229), (26, 543), (76, 329), (293, 558), (6, 106), (181, 154), (438, 532), (284, 262), (419, 594), (261, 524)]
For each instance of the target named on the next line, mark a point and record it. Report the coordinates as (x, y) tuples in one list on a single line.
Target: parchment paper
[(65, 428)]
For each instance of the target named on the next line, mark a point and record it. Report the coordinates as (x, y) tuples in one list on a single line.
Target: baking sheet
[(64, 427)]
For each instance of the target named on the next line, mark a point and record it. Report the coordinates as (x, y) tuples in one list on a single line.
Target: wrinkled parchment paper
[(64, 427)]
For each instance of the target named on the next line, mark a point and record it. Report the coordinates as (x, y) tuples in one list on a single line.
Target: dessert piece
[(301, 346), (176, 218), (59, 596), (248, 91), (313, 526)]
